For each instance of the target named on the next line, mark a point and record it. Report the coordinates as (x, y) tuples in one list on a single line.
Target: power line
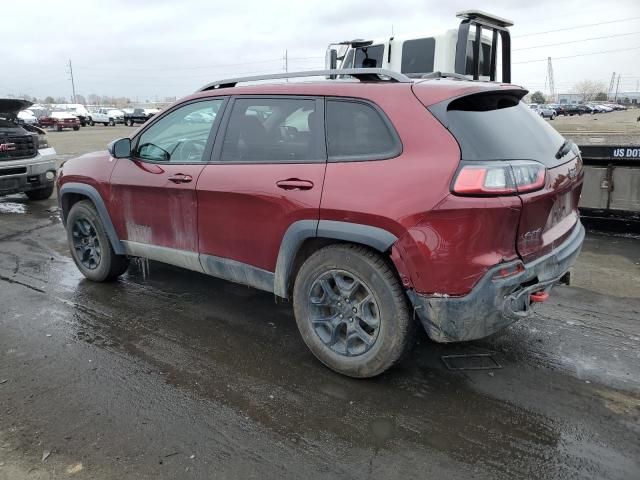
[(220, 65), (579, 55), (576, 27), (576, 41)]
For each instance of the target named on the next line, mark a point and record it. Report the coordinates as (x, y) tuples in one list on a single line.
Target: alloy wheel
[(344, 313), (86, 243)]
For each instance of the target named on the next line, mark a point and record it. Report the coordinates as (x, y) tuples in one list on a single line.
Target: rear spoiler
[(498, 26)]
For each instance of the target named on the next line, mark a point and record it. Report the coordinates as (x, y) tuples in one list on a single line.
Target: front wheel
[(352, 311), (90, 246), (112, 122), (553, 115), (76, 128), (40, 194)]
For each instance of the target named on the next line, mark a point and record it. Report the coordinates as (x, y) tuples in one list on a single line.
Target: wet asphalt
[(171, 374)]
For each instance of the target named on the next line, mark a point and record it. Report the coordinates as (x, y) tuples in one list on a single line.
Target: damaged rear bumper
[(495, 303)]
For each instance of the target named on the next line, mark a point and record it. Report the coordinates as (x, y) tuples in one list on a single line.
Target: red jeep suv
[(369, 201)]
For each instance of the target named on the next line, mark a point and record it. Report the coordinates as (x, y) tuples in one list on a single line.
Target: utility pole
[(73, 85), (286, 62), (613, 79), (552, 87), (617, 86)]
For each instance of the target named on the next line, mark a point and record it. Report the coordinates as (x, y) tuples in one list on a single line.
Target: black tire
[(91, 123), (394, 335), (112, 122), (58, 127), (41, 193), (106, 124), (76, 128), (110, 266), (553, 115)]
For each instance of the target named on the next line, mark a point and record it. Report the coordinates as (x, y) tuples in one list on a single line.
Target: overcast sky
[(151, 49)]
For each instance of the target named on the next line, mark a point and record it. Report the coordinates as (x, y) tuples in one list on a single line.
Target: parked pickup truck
[(102, 115), (27, 162), (139, 115), (60, 120)]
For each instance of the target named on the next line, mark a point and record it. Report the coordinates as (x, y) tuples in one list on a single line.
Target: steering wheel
[(189, 150)]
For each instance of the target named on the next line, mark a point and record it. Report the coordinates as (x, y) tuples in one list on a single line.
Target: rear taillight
[(499, 178)]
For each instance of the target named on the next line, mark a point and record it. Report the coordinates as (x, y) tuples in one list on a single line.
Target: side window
[(369, 57), (417, 55), (180, 136), (356, 131), (274, 130)]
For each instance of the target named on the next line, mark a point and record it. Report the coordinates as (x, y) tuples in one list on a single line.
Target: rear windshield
[(498, 126)]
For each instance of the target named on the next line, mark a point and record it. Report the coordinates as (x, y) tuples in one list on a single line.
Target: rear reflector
[(499, 178), (508, 271)]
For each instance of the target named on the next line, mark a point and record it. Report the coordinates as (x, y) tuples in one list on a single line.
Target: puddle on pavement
[(12, 207)]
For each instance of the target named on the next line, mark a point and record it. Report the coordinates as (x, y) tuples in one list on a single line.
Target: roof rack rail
[(438, 74), (362, 74)]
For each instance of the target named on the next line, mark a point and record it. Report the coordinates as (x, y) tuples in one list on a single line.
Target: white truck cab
[(464, 51)]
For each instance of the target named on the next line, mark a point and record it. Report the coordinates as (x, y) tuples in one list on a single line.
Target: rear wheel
[(59, 127), (76, 128), (352, 311), (112, 122), (90, 247), (40, 194), (553, 115), (91, 123)]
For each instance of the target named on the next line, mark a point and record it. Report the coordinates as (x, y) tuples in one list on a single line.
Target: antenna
[(552, 87), (73, 85), (617, 86)]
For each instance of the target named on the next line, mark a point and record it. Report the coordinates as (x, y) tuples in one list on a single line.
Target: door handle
[(180, 178), (295, 184)]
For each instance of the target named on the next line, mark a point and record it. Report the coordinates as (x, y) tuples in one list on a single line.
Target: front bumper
[(494, 304), (23, 175)]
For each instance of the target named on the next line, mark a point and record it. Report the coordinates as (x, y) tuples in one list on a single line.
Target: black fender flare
[(94, 196), (374, 237)]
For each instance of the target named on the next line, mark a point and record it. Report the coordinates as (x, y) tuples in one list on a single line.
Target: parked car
[(27, 162), (27, 117), (60, 120), (117, 115), (101, 115), (545, 111), (137, 116), (559, 108), (77, 109), (367, 204), (586, 109), (572, 109)]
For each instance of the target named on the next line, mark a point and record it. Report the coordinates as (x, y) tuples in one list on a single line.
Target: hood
[(12, 106)]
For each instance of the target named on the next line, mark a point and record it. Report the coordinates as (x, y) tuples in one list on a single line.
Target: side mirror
[(120, 148)]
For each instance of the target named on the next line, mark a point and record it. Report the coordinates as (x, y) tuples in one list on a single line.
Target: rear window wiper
[(565, 148)]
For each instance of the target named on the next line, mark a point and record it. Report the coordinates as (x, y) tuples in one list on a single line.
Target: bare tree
[(589, 89)]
